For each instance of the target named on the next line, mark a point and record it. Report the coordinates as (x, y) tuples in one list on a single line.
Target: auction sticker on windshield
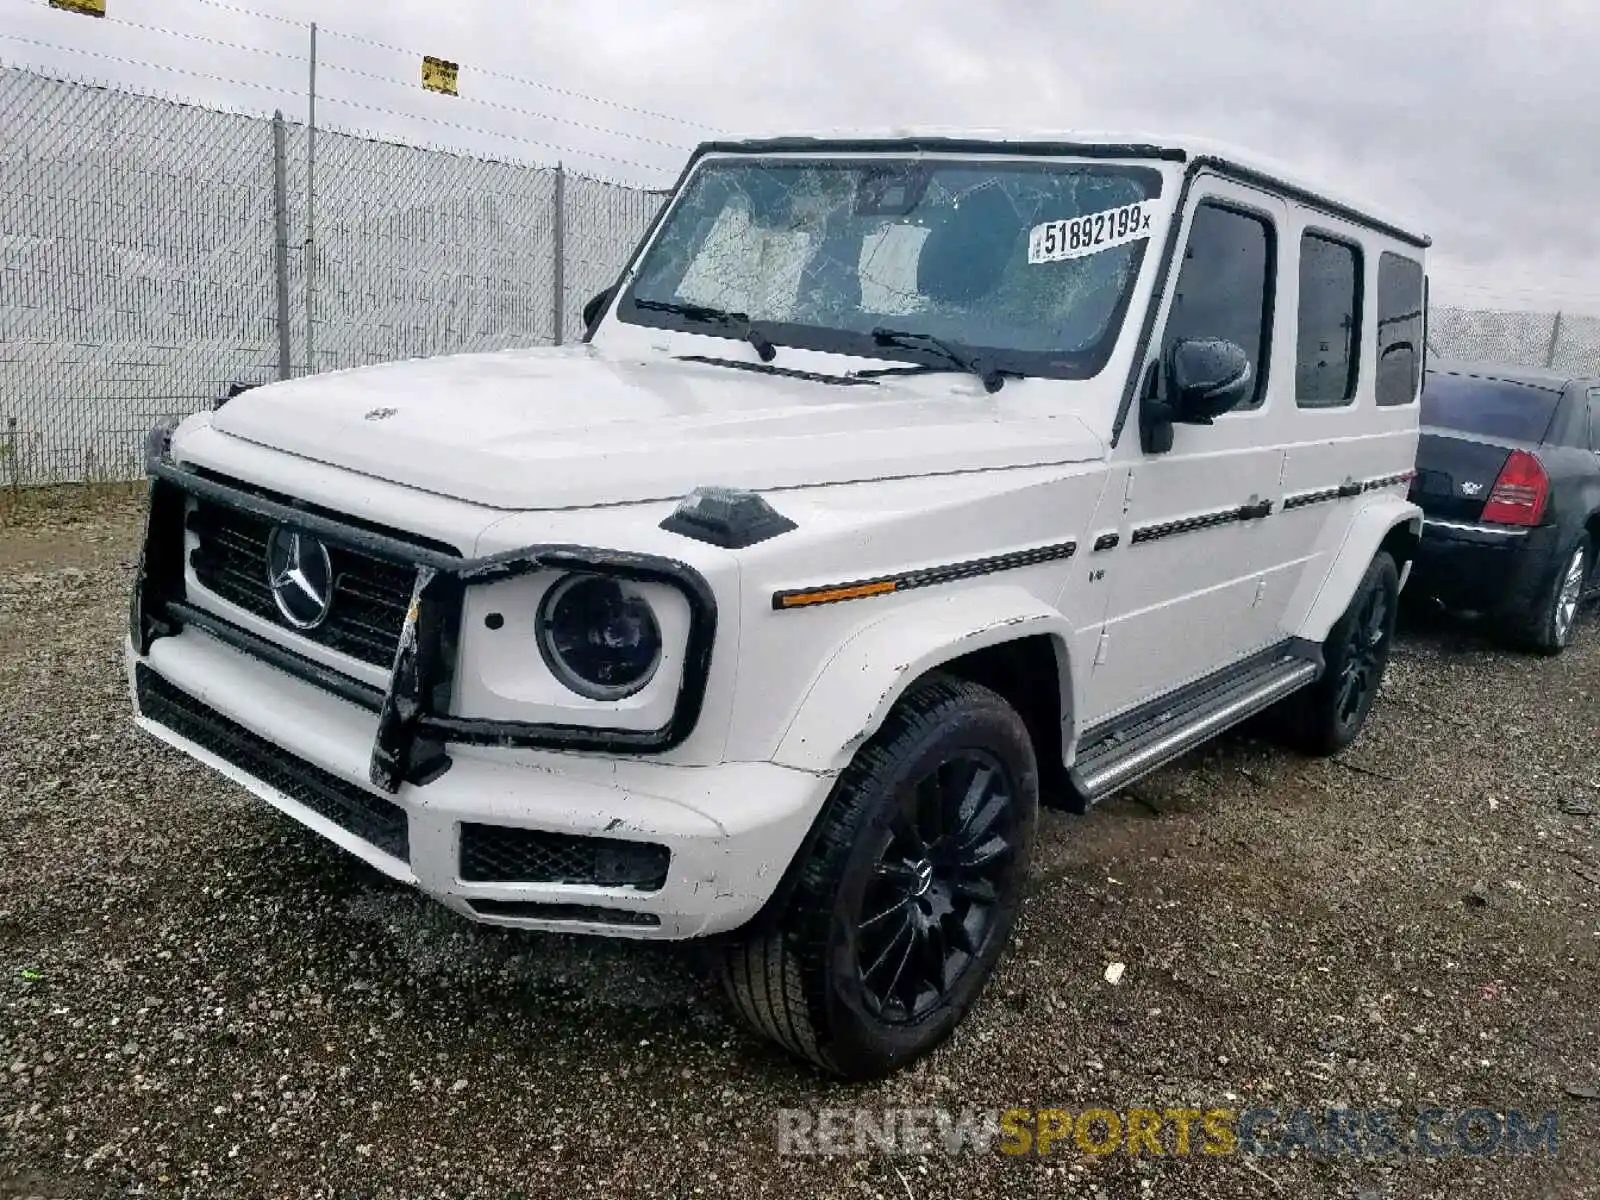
[(1076, 237)]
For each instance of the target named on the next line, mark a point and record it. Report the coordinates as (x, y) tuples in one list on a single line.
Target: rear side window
[(1330, 322), (1224, 286), (1492, 408), (1399, 329)]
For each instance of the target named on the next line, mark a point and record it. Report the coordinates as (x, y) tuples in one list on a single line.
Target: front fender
[(851, 696), (1324, 600)]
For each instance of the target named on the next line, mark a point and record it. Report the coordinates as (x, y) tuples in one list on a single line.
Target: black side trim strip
[(1375, 485), (1304, 499), (1260, 509), (1107, 541), (1346, 490), (925, 576), (1254, 511)]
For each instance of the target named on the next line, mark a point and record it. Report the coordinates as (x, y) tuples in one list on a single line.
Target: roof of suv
[(1103, 145)]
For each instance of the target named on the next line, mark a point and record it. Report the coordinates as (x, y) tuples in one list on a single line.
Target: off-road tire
[(794, 977), (1540, 628), (1319, 720)]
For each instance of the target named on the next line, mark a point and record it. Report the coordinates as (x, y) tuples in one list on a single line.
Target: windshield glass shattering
[(1029, 265)]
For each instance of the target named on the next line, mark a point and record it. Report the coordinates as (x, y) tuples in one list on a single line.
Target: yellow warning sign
[(89, 8), (439, 75)]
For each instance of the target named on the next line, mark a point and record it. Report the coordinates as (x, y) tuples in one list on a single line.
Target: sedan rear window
[(1494, 408)]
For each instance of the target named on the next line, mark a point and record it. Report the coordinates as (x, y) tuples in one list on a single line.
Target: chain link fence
[(135, 269), (1558, 341), (153, 253), (146, 247)]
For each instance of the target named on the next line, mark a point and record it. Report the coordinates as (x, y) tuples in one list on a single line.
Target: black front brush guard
[(414, 725)]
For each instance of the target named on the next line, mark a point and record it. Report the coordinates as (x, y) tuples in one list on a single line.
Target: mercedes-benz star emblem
[(300, 576)]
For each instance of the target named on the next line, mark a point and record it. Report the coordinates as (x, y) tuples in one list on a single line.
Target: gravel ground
[(199, 998)]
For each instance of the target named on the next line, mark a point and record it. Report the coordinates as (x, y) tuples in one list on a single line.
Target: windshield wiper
[(960, 359), (738, 322)]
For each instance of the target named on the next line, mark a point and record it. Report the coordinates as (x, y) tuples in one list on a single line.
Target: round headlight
[(599, 636)]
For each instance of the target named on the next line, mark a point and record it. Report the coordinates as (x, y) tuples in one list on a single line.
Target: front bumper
[(729, 832), (1482, 568), (567, 827)]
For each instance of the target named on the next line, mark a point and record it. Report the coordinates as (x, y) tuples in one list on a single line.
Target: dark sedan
[(1508, 478)]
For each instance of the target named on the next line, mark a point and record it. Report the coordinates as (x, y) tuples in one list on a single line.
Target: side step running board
[(1134, 749)]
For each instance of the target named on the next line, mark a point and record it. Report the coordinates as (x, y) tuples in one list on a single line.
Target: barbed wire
[(185, 35), (542, 85), (84, 52), (653, 168), (513, 109), (253, 12), (570, 93)]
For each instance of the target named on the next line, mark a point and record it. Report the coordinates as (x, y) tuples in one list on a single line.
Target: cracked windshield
[(1029, 266)]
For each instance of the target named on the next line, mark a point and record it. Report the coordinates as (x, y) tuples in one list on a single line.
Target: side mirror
[(1206, 378), (596, 305)]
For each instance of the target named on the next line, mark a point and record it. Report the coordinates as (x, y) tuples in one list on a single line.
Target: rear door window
[(1399, 329), (1594, 420), (1491, 408), (1330, 322)]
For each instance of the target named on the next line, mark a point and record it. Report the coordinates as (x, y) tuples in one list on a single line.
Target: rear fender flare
[(854, 692), (1378, 519)]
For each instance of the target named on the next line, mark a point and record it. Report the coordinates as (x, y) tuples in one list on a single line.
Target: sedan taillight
[(1518, 496)]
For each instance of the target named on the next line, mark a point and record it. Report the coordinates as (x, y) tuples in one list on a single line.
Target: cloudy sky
[(1477, 121)]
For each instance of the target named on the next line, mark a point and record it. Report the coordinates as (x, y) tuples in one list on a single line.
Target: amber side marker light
[(854, 591)]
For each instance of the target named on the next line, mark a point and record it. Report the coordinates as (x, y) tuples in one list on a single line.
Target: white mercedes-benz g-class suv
[(897, 486)]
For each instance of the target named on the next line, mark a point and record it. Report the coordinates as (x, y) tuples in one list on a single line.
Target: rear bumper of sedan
[(1482, 568)]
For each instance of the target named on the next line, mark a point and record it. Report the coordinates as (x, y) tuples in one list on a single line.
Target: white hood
[(568, 428)]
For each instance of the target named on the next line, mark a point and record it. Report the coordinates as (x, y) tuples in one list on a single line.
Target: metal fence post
[(1555, 341), (309, 259), (559, 287), (280, 219), (16, 459)]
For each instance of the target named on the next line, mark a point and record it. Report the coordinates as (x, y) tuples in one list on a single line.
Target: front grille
[(370, 596), (354, 809), (502, 854)]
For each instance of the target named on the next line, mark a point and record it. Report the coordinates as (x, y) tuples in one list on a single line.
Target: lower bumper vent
[(504, 854)]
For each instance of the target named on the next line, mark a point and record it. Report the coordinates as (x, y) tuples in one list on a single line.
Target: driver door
[(1191, 581)]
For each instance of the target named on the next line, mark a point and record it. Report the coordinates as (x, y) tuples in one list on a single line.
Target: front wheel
[(1326, 717), (907, 899)]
